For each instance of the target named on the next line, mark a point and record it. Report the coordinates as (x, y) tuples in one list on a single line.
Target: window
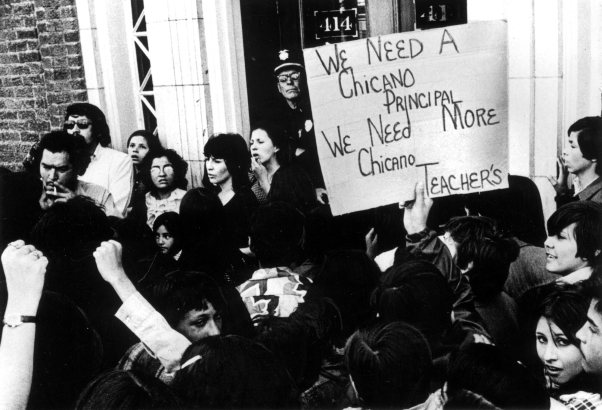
[(146, 93)]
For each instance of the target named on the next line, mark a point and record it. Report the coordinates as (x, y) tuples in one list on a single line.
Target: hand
[(63, 194), (320, 194), (261, 173), (108, 261), (417, 211), (25, 268), (560, 185), (372, 244), (45, 201)]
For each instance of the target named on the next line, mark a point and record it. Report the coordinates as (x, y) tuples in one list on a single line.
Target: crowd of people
[(125, 288)]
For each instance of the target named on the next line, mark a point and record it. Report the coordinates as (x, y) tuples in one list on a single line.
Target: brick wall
[(41, 72)]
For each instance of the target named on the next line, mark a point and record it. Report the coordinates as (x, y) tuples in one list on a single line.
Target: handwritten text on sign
[(392, 110)]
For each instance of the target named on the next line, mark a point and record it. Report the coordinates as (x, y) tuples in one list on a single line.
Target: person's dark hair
[(180, 292), (462, 399), (171, 222), (587, 217), (302, 340), (390, 365), (486, 370), (293, 186), (462, 227), (71, 230), (67, 351), (491, 256), (153, 142), (592, 289), (348, 277), (233, 372), (589, 139), (127, 390), (96, 116), (180, 167), (416, 293), (277, 234), (279, 140), (518, 209), (567, 308), (60, 141), (233, 149)]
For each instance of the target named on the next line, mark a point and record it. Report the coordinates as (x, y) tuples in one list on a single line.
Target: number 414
[(346, 24)]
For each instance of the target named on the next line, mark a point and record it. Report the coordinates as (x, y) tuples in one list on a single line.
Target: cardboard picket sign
[(393, 110)]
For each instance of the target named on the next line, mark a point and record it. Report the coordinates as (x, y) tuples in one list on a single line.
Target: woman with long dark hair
[(226, 165), (561, 314)]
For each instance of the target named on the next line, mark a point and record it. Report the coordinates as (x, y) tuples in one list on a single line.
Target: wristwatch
[(16, 320)]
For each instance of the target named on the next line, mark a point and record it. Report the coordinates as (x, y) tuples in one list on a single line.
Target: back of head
[(462, 227), (233, 149), (587, 217), (277, 234), (179, 292), (487, 259), (302, 340), (488, 371), (348, 277), (293, 186), (67, 352), (417, 293), (517, 209), (249, 375), (390, 365), (127, 390), (589, 139), (94, 114), (71, 230), (137, 240)]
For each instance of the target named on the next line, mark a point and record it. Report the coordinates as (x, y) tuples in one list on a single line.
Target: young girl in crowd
[(168, 234), (560, 316), (227, 162), (139, 145), (165, 174)]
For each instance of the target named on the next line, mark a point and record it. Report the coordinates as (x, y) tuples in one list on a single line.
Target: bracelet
[(13, 320)]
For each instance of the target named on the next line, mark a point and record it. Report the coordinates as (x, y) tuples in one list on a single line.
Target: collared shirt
[(582, 401), (156, 207), (100, 195), (114, 171), (160, 340)]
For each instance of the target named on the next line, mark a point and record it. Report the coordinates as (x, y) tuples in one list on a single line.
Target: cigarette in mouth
[(55, 191)]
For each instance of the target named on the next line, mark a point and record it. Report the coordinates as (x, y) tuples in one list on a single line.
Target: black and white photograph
[(301, 204)]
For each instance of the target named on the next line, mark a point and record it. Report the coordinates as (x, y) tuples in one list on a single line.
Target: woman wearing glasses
[(165, 174)]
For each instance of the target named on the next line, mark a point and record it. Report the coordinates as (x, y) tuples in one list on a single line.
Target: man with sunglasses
[(293, 114), (109, 168)]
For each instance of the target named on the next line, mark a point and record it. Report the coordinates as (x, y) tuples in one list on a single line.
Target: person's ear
[(276, 149)]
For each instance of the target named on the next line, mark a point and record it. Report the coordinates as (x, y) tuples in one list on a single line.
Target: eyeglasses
[(283, 78), (81, 124)]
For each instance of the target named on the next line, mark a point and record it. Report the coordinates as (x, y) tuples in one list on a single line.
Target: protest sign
[(426, 106)]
